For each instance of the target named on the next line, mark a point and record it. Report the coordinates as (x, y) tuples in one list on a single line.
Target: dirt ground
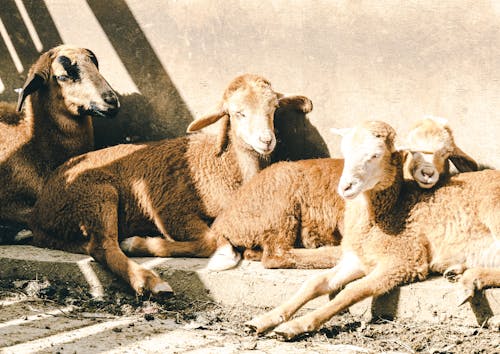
[(206, 327)]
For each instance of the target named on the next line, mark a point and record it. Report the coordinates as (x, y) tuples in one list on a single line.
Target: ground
[(39, 316)]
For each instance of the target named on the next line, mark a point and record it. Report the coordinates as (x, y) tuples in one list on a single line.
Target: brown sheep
[(64, 89), (392, 237), (282, 215), (173, 188)]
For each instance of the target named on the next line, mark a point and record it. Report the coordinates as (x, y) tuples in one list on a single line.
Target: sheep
[(392, 237), (287, 205), (429, 146), (63, 90), (173, 188), (294, 204)]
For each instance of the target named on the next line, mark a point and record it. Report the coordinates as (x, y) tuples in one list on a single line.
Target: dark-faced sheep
[(173, 188), (396, 233), (64, 89)]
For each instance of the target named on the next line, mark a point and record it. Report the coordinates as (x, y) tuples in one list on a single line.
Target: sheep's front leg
[(379, 281), (103, 246), (348, 269)]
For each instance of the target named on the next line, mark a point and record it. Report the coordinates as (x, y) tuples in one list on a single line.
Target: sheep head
[(69, 78), (247, 110), (368, 151), (429, 145)]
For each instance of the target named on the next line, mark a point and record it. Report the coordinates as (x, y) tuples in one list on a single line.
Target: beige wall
[(357, 60)]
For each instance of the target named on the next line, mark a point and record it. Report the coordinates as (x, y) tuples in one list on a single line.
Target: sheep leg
[(476, 279), (378, 282), (303, 258), (348, 269), (204, 243), (103, 246), (252, 254)]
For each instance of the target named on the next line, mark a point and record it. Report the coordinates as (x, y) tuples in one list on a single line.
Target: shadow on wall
[(297, 138), (158, 111)]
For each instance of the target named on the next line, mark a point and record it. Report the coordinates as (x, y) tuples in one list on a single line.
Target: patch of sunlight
[(29, 25), (36, 317), (96, 288), (10, 47), (66, 337)]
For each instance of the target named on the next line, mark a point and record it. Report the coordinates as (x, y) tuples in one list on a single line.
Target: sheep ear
[(93, 57), (205, 121), (33, 83), (38, 75), (299, 103), (462, 161), (222, 137), (340, 131)]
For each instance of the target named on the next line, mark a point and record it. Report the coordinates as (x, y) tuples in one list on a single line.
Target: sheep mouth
[(425, 184), (94, 111)]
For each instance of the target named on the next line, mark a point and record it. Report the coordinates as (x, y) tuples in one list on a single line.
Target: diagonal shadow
[(159, 111), (21, 40)]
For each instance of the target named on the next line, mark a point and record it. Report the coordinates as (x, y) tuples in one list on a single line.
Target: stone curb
[(249, 285)]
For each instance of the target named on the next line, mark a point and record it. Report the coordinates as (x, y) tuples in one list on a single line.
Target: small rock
[(149, 317), (494, 322)]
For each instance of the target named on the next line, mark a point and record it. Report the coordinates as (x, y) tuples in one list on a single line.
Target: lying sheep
[(392, 237), (63, 90), (172, 187), (430, 144), (293, 207), (281, 216)]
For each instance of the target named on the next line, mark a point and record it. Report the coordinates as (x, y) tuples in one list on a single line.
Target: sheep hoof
[(453, 273), (465, 295), (162, 289), (23, 235), (255, 327), (127, 245), (225, 257), (287, 331)]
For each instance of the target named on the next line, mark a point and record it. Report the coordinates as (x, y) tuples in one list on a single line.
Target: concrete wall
[(357, 60)]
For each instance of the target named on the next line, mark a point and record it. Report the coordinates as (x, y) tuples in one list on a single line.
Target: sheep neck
[(56, 134), (249, 161), (375, 207)]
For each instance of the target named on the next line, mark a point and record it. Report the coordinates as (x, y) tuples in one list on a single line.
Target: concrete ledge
[(248, 285)]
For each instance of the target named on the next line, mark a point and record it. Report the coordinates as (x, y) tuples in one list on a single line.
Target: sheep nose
[(266, 138), (110, 98), (346, 187), (428, 172)]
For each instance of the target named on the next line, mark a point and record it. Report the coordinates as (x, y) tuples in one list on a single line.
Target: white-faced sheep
[(63, 90), (172, 188), (291, 208), (395, 233), (429, 145)]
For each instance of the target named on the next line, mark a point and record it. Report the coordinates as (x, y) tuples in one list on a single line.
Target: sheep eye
[(62, 78), (240, 114), (374, 156)]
